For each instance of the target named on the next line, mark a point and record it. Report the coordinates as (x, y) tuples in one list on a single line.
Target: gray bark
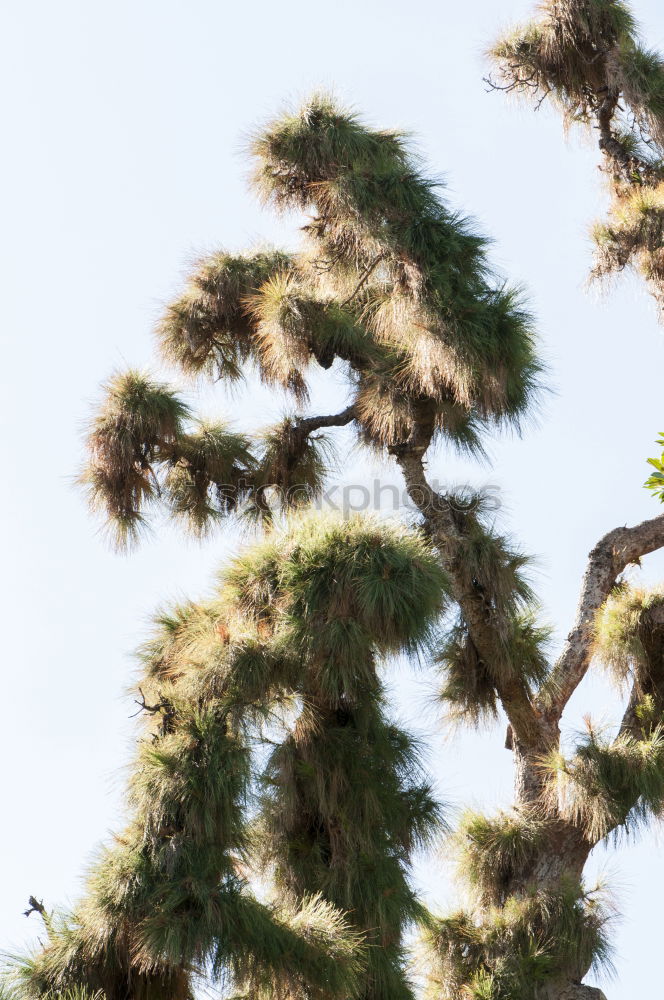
[(609, 558), (577, 991)]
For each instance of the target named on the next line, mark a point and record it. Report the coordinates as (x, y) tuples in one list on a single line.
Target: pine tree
[(394, 289), (586, 57), (293, 632)]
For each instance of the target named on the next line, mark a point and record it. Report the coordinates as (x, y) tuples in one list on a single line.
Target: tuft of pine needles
[(138, 418), (491, 851), (208, 331), (609, 787), (518, 951), (629, 639)]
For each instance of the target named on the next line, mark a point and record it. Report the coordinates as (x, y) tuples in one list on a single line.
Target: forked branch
[(609, 558)]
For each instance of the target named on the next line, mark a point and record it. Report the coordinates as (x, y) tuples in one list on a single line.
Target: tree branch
[(150, 709), (306, 425), (366, 274), (610, 557), (631, 169), (438, 515), (35, 906)]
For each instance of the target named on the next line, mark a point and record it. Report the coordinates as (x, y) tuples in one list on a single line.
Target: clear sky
[(123, 132)]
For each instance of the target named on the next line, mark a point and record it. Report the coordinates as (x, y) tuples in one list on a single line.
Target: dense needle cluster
[(289, 644)]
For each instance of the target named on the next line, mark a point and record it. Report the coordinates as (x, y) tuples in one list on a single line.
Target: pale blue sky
[(123, 131)]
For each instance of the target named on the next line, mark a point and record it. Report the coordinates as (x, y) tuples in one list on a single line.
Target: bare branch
[(306, 425), (366, 274), (35, 906), (163, 706), (517, 83), (151, 709), (612, 554)]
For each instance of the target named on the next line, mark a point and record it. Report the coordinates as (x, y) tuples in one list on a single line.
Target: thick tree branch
[(484, 633), (607, 141), (307, 425), (627, 167), (610, 557), (302, 427)]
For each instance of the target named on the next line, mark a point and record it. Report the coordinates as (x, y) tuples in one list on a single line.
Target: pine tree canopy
[(586, 56), (275, 804), (293, 637), (390, 283)]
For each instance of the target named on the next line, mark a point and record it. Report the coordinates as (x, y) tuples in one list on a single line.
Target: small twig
[(368, 271), (521, 81), (542, 98), (37, 906), (327, 265), (144, 707), (163, 705), (34, 906)]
